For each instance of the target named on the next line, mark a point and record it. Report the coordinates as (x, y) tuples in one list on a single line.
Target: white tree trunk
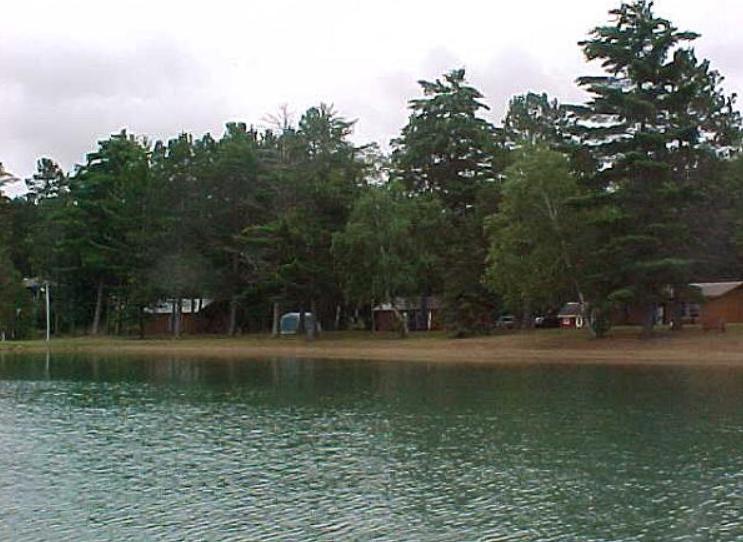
[(98, 309)]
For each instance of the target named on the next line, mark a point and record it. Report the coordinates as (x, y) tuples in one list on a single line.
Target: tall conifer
[(653, 118)]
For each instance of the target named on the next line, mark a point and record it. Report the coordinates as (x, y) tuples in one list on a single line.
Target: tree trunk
[(73, 321), (233, 316), (649, 323), (302, 326), (337, 323), (402, 320), (567, 260), (98, 309), (312, 329), (677, 315), (119, 317), (371, 312), (141, 321), (275, 326), (233, 300), (177, 318), (527, 322)]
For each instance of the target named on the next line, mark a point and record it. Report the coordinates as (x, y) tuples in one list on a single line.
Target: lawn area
[(623, 346)]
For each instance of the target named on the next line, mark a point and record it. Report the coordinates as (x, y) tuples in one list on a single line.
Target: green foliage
[(620, 200), (104, 207), (379, 253), (446, 148), (449, 152), (48, 182), (652, 120), (535, 237), (15, 303), (534, 119), (469, 308), (316, 175)]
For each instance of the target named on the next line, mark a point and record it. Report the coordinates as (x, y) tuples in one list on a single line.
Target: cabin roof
[(188, 306), (411, 303), (717, 289)]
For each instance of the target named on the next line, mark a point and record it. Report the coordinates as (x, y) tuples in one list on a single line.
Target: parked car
[(507, 321), (550, 320)]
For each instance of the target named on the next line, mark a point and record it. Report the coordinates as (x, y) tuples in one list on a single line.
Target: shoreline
[(690, 347)]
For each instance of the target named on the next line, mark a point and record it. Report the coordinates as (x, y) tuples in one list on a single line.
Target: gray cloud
[(58, 100), (69, 77), (56, 73)]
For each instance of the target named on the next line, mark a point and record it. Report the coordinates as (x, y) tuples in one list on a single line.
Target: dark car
[(549, 320)]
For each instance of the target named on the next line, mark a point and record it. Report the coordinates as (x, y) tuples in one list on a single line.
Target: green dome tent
[(290, 322)]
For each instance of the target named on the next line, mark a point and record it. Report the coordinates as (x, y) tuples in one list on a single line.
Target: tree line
[(623, 199)]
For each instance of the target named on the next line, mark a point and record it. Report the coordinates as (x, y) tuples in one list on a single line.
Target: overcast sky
[(74, 71)]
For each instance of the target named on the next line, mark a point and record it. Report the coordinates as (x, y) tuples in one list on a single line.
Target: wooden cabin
[(423, 314), (723, 303), (161, 317)]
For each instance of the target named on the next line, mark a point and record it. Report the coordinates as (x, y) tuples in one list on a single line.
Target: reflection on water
[(130, 449)]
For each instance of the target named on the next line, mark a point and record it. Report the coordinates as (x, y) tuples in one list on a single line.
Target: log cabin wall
[(729, 307)]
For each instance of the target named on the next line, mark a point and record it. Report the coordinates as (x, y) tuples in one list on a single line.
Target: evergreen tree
[(318, 174), (446, 148), (15, 303), (449, 151), (652, 118), (235, 197), (49, 181), (534, 119), (104, 208), (178, 225)]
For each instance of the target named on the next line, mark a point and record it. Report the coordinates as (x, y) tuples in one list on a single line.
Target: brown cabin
[(423, 314), (160, 317), (723, 302)]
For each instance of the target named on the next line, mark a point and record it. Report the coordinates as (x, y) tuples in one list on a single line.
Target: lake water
[(159, 449)]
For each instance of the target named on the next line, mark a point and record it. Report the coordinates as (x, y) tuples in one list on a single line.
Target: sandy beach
[(691, 347)]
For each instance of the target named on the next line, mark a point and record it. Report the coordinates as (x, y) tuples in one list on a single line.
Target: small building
[(289, 323), (422, 313), (161, 317), (571, 315), (723, 302)]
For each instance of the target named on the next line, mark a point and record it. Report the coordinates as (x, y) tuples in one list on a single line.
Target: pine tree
[(446, 147), (652, 119), (534, 119), (449, 151), (104, 208)]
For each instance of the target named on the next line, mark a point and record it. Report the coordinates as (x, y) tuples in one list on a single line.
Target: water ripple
[(369, 452)]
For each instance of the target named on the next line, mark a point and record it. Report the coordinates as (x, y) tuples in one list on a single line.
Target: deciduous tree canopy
[(623, 199)]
